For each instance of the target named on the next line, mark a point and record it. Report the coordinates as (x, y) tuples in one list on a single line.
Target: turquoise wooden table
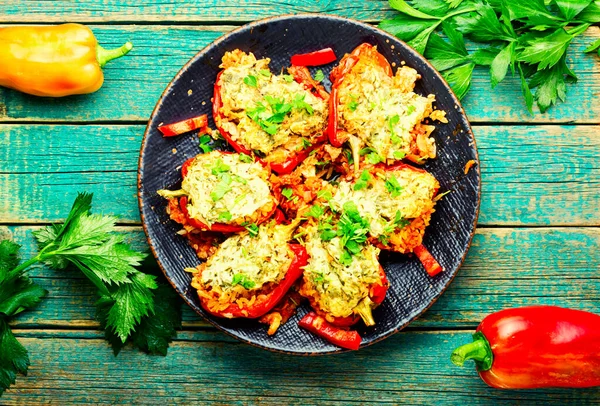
[(536, 243)]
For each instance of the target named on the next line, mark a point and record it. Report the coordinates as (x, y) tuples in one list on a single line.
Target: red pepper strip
[(316, 58), (536, 347), (279, 217), (290, 164), (429, 262), (265, 303), (184, 126), (319, 326), (378, 291)]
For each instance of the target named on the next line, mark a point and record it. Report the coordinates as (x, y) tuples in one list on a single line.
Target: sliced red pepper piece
[(429, 262), (185, 166), (184, 126), (316, 324), (302, 75), (279, 217), (378, 291), (315, 58), (221, 227), (265, 303)]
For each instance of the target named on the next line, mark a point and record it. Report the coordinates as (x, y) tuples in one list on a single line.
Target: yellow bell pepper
[(55, 61)]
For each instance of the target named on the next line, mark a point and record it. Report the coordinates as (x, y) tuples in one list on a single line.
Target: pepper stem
[(479, 351), (364, 310), (106, 55)]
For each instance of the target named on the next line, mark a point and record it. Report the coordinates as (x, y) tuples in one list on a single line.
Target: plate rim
[(250, 26)]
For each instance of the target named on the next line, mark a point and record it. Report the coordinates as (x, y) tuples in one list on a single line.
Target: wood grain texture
[(206, 367), (532, 175), (505, 267), (190, 11), (134, 83)]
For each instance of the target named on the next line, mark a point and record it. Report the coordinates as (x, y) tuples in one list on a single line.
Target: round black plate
[(448, 237)]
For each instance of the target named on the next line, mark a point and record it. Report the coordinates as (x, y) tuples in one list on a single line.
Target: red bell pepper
[(536, 347), (316, 58), (429, 262), (279, 217), (365, 50), (265, 302), (281, 168), (184, 126), (316, 324), (302, 75)]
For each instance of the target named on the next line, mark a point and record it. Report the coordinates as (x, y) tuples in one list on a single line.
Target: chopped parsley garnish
[(319, 75), (352, 104), (239, 179), (306, 143), (392, 121), (373, 158), (219, 167), (349, 156), (252, 229), (328, 231), (400, 221), (288, 78), (204, 140), (246, 158), (221, 188), (288, 193), (324, 194), (399, 154), (315, 211), (224, 216), (251, 81), (243, 280), (319, 277), (392, 185), (353, 230), (265, 72), (410, 109), (363, 180), (300, 104)]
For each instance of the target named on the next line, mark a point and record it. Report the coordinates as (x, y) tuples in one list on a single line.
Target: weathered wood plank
[(192, 11), (206, 367), (134, 84), (505, 267), (532, 175)]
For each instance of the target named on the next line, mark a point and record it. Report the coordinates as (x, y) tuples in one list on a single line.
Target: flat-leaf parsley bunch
[(132, 306), (529, 37)]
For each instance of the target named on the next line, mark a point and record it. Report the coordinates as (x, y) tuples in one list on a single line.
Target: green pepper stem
[(479, 351), (106, 55), (364, 310)]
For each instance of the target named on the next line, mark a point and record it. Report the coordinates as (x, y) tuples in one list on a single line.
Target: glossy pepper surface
[(53, 60), (267, 301), (536, 347), (342, 338)]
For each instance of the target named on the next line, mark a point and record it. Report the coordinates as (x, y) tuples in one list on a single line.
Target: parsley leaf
[(251, 81), (546, 51), (204, 143), (288, 193), (393, 186), (246, 158), (243, 280), (252, 229), (315, 211), (459, 79), (13, 357), (300, 104), (265, 72), (324, 194), (221, 188), (288, 78), (363, 180), (224, 216), (319, 76), (500, 64)]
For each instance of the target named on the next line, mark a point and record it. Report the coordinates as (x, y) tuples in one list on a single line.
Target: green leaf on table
[(570, 8), (590, 14), (419, 43), (551, 85), (593, 46), (501, 63), (459, 79), (453, 3), (546, 51), (484, 25), (443, 55), (484, 56), (403, 7), (405, 27), (155, 331), (527, 95), (13, 357), (534, 11)]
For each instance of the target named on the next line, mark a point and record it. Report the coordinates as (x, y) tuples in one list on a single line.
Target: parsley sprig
[(531, 38), (132, 306)]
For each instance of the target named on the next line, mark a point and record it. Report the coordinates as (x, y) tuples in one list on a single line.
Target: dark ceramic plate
[(448, 237)]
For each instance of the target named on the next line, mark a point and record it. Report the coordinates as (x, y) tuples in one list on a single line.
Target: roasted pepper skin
[(536, 347), (266, 302), (53, 60)]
